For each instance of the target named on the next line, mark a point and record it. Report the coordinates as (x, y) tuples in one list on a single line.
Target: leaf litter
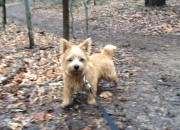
[(31, 80)]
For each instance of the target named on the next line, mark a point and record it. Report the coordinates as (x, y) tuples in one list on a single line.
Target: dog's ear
[(64, 45), (86, 45)]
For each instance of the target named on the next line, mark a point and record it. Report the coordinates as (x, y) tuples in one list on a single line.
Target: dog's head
[(75, 57)]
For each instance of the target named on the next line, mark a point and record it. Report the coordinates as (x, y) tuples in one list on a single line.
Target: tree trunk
[(65, 19), (86, 14), (4, 11), (95, 2), (29, 25), (72, 18), (151, 3)]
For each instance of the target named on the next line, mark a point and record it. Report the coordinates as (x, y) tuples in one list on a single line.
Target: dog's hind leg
[(115, 79), (112, 78)]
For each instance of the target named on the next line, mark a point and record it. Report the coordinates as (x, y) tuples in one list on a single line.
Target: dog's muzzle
[(76, 67)]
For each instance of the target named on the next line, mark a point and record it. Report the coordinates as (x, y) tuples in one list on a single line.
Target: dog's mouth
[(76, 71)]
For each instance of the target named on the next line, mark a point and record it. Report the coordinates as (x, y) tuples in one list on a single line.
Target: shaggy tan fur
[(77, 62)]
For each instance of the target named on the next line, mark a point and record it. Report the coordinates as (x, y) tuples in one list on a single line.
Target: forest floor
[(147, 61)]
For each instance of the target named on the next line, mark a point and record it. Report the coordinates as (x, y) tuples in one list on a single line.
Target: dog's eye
[(81, 59), (70, 59)]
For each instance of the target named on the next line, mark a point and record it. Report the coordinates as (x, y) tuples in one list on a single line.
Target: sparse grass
[(12, 1), (138, 5), (101, 2), (93, 18)]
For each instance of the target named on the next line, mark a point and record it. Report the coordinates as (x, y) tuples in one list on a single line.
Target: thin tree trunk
[(4, 11), (72, 17), (65, 19), (95, 2), (151, 3), (29, 25), (86, 14)]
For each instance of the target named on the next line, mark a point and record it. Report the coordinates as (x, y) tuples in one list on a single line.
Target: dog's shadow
[(77, 99), (80, 98)]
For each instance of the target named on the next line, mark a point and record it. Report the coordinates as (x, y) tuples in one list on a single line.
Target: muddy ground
[(148, 94)]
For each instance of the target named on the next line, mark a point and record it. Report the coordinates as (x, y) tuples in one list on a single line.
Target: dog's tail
[(109, 50)]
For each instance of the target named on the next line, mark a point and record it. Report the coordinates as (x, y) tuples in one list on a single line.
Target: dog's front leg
[(66, 96), (91, 99)]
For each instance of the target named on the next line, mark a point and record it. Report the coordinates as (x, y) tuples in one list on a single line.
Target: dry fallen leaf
[(41, 90), (48, 117), (8, 57), (49, 74), (106, 94), (23, 119), (15, 126), (39, 116), (16, 105), (120, 88), (122, 99), (19, 77), (43, 116), (166, 27), (14, 84), (89, 127)]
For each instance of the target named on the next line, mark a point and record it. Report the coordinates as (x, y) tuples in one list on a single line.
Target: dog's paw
[(64, 104), (92, 101)]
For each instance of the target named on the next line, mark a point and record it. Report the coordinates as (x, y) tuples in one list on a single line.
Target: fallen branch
[(45, 47)]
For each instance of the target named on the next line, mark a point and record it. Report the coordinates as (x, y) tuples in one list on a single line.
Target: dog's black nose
[(76, 67)]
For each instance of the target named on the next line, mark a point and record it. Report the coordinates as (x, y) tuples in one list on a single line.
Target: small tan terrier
[(77, 62)]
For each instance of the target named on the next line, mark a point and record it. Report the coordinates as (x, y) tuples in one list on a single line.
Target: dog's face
[(75, 58), (75, 61)]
